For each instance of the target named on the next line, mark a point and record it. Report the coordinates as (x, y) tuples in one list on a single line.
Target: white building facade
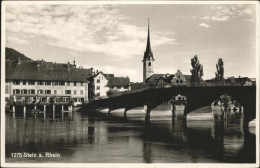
[(100, 85), (33, 81)]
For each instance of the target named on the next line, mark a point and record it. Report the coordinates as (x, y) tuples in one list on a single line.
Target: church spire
[(148, 52), (148, 45)]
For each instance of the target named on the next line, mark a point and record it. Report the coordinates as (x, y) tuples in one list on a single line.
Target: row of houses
[(163, 80), (39, 81)]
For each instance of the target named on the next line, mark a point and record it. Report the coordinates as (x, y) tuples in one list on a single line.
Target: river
[(98, 138)]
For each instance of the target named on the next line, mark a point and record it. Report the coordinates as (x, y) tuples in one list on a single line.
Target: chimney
[(68, 66), (74, 63), (38, 63)]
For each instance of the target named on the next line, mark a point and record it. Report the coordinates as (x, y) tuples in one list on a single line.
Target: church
[(152, 79)]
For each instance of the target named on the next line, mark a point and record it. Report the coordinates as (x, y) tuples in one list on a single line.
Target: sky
[(112, 37)]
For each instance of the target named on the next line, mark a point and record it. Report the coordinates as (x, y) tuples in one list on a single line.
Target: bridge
[(197, 96)]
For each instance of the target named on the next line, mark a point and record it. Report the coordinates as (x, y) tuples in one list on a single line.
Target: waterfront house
[(119, 84), (100, 81), (40, 81)]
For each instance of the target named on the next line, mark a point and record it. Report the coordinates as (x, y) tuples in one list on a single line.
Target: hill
[(13, 55)]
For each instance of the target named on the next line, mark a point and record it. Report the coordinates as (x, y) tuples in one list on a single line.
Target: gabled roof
[(34, 70), (153, 80), (118, 81), (137, 85), (105, 75)]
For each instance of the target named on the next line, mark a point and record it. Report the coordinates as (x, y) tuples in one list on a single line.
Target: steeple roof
[(148, 54)]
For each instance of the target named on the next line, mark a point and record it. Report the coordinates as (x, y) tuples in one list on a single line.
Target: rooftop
[(48, 71), (118, 81)]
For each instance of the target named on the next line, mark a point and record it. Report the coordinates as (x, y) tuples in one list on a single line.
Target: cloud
[(220, 18), (224, 13), (204, 25), (205, 18), (90, 28)]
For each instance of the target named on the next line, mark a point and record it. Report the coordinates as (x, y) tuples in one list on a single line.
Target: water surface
[(99, 138)]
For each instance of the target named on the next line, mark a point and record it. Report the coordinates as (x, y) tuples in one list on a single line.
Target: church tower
[(148, 58)]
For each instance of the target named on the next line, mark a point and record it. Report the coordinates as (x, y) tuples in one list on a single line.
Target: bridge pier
[(125, 112), (109, 110), (24, 111), (13, 110), (147, 110)]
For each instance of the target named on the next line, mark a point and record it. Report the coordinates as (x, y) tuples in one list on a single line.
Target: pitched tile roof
[(34, 70), (153, 80), (105, 75), (118, 81), (137, 85)]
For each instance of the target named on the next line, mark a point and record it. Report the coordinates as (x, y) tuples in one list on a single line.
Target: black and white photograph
[(130, 84)]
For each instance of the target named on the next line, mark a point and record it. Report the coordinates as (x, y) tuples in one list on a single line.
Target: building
[(120, 84), (168, 80), (180, 79), (148, 59), (100, 81), (40, 81)]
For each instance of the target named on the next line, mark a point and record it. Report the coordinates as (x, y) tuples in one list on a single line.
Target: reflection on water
[(99, 138)]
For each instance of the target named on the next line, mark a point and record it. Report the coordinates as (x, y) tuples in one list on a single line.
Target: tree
[(220, 70), (196, 71)]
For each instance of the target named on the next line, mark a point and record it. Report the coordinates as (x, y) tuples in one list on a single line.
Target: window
[(98, 80), (16, 82), (67, 91), (125, 87), (47, 91), (40, 91), (31, 91), (75, 91), (149, 64), (16, 91), (118, 87), (23, 91), (111, 87), (81, 92), (98, 94), (48, 83), (177, 81), (24, 82), (75, 83), (98, 87), (31, 82), (180, 81), (55, 83), (81, 83), (62, 83), (68, 83), (40, 83), (55, 91)]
